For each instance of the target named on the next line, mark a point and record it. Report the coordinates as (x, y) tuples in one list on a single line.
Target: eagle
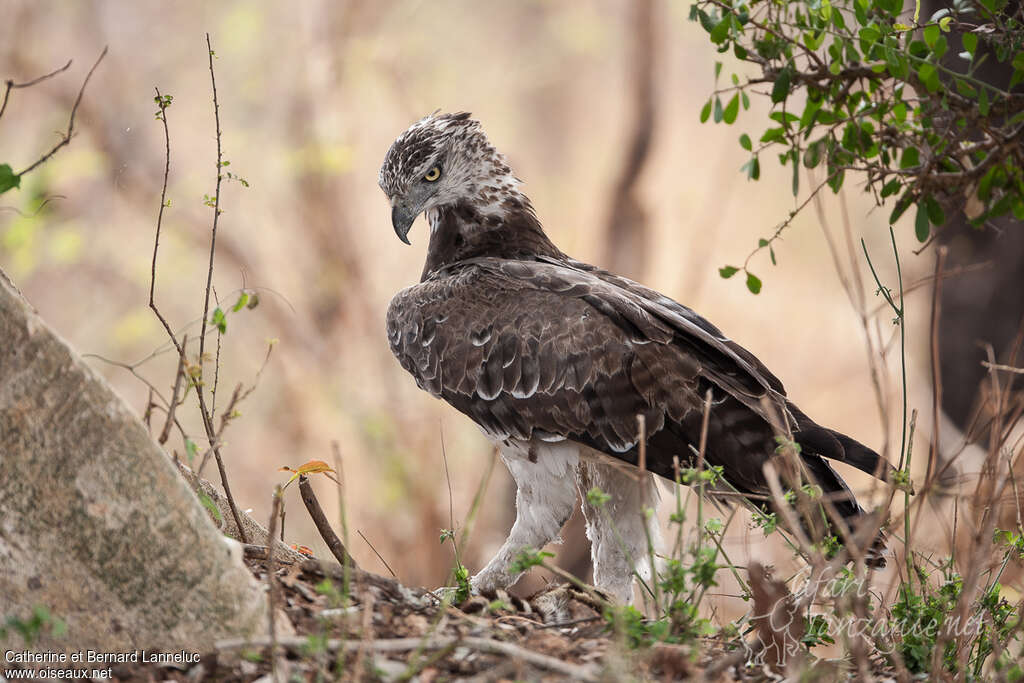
[(555, 359)]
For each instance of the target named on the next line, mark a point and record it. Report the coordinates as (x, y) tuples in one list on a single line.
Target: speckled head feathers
[(470, 168)]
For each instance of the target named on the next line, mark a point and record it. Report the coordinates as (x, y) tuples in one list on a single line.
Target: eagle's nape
[(554, 358)]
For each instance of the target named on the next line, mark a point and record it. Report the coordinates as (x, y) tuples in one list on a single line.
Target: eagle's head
[(444, 159)]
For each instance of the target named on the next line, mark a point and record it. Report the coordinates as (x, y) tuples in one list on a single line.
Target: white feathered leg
[(616, 529), (546, 493)]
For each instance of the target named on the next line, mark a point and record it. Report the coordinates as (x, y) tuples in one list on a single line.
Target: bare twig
[(163, 104), (334, 543), (11, 85), (272, 580), (205, 413), (178, 377), (1003, 368), (935, 453), (66, 138), (216, 208), (383, 561)]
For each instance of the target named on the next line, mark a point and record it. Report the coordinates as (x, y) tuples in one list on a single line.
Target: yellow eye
[(433, 174)]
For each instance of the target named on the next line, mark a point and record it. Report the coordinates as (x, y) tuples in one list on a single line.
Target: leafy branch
[(855, 89)]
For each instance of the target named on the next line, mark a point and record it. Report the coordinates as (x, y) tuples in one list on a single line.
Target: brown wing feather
[(560, 349)]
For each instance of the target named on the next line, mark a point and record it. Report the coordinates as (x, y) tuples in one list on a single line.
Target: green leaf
[(836, 181), (731, 110), (780, 91), (753, 283), (211, 507), (868, 35), (812, 41), (718, 70), (728, 271), (752, 168), (795, 155), (812, 155), (718, 110), (921, 225), (911, 158), (902, 204), (970, 41), (900, 111), (190, 450), (243, 299), (944, 23), (705, 113), (929, 76), (8, 178), (931, 34), (745, 142), (219, 321), (965, 88), (935, 213), (721, 30), (745, 100), (983, 101), (811, 110)]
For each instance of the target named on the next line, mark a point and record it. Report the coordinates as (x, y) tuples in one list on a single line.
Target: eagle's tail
[(828, 443), (844, 503), (816, 444)]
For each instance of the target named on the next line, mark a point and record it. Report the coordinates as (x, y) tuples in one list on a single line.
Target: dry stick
[(11, 85), (346, 568), (1004, 368), (478, 497), (643, 482), (166, 432), (334, 543), (297, 643), (216, 204), (272, 579), (940, 261), (159, 223), (71, 122), (206, 414), (983, 537), (383, 561)]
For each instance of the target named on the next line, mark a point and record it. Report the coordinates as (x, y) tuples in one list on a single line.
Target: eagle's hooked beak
[(402, 218)]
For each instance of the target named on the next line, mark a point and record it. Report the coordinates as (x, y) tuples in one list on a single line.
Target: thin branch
[(940, 262), (216, 210), (71, 122), (11, 85), (272, 580), (379, 557), (316, 513), (1004, 368), (178, 377), (163, 104)]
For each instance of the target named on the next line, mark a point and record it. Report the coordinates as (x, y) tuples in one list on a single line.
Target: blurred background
[(596, 105)]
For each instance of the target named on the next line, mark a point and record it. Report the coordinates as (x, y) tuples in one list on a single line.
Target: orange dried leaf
[(311, 467), (314, 467)]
